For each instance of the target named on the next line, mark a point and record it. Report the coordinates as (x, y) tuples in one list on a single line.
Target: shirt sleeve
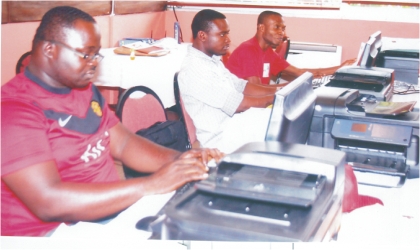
[(211, 88), (238, 83), (22, 125)]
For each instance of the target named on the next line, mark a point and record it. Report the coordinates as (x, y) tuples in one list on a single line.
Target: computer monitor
[(370, 50), (292, 111)]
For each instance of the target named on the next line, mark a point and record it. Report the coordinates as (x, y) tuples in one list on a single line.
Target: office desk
[(394, 225), (156, 73)]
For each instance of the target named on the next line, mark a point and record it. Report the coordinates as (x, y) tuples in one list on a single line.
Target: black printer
[(375, 81), (264, 191), (383, 149), (402, 55)]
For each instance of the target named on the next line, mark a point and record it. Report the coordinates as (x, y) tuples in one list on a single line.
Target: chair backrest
[(283, 48), (139, 107), (184, 116), (23, 62)]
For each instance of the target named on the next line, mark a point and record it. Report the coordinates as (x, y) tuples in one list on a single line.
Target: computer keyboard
[(318, 82)]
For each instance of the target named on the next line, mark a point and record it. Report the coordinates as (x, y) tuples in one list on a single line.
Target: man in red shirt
[(256, 60), (60, 139)]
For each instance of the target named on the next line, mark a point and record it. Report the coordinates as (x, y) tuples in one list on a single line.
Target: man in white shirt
[(219, 102)]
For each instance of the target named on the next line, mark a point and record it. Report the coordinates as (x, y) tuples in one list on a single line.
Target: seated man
[(59, 138), (213, 96), (255, 58)]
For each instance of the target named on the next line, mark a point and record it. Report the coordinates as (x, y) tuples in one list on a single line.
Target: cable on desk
[(176, 18), (403, 88)]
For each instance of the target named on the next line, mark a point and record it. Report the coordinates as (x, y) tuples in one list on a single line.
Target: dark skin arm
[(255, 80), (40, 187), (291, 72)]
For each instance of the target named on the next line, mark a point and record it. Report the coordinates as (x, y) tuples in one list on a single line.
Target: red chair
[(184, 116), (139, 107), (283, 49), (23, 62)]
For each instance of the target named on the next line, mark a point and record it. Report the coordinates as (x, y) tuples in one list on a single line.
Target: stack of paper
[(145, 48)]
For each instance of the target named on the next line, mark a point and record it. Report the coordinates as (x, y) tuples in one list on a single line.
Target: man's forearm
[(254, 89)]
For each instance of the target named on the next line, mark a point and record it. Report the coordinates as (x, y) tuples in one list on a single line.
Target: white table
[(396, 225), (156, 73), (392, 225)]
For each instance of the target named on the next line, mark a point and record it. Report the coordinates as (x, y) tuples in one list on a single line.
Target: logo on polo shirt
[(96, 108), (62, 122)]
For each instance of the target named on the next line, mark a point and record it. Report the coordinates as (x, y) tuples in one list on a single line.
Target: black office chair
[(23, 62)]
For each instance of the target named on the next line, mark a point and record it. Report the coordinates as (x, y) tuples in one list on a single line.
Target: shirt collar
[(198, 53), (45, 86)]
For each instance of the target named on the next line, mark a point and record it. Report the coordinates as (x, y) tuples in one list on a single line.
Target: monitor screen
[(370, 50), (292, 111)]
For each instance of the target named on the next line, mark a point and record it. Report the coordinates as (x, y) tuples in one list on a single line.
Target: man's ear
[(260, 27), (202, 36), (48, 49)]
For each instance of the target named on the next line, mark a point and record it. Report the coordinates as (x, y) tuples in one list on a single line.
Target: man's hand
[(204, 154), (190, 166), (348, 62)]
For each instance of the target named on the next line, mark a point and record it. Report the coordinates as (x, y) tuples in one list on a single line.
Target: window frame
[(411, 3), (233, 4)]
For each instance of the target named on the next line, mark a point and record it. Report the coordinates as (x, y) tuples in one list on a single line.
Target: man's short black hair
[(265, 14), (203, 20), (54, 20)]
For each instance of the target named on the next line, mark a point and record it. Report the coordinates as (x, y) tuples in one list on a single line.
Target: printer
[(383, 149), (375, 81), (264, 191), (402, 55)]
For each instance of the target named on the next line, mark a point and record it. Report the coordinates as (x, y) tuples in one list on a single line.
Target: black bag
[(170, 134)]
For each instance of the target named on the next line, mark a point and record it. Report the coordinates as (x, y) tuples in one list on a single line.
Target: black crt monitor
[(370, 50), (292, 111)]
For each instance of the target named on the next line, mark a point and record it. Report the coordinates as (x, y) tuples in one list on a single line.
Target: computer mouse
[(371, 99), (144, 223)]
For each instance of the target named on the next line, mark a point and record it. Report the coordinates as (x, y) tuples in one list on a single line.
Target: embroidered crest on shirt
[(96, 108), (266, 70)]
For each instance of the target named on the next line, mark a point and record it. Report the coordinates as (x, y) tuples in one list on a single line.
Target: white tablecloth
[(156, 73), (396, 225)]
